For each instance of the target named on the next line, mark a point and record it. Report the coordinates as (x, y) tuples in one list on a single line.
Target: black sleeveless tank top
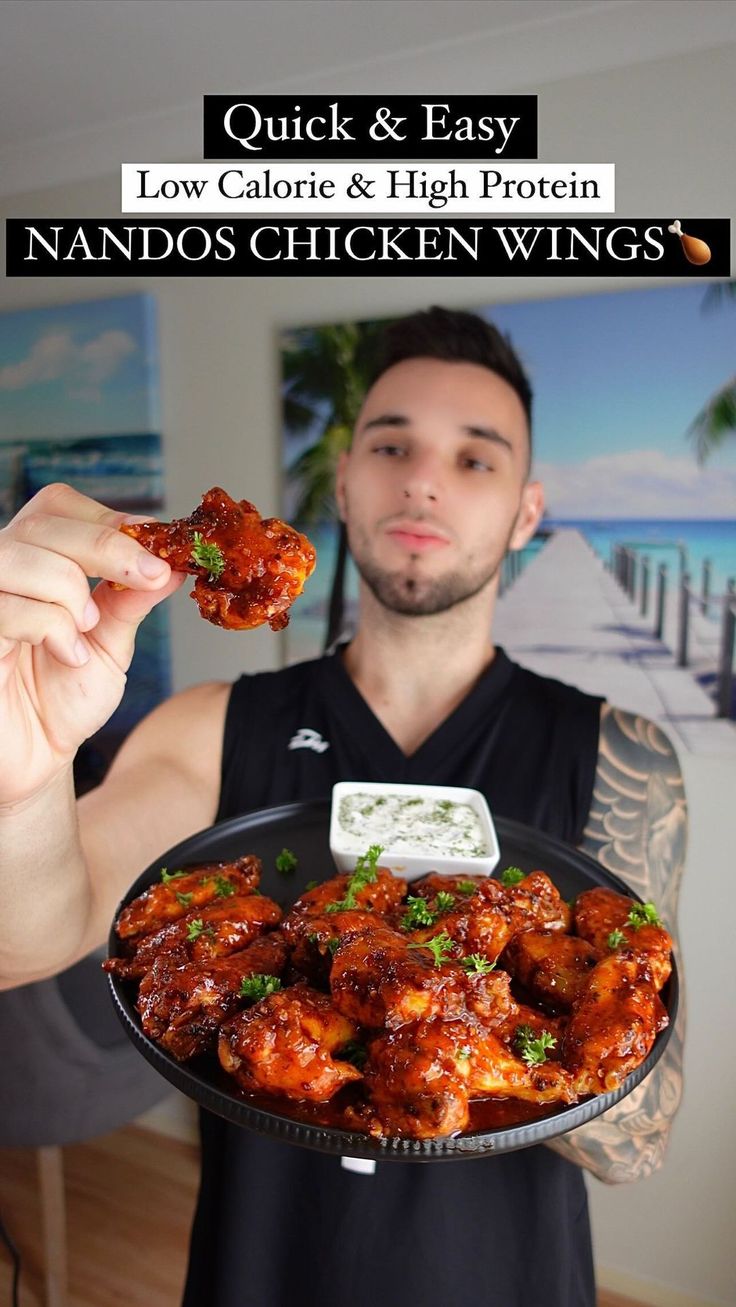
[(281, 1226)]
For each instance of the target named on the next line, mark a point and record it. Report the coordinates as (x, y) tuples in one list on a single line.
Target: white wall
[(668, 127)]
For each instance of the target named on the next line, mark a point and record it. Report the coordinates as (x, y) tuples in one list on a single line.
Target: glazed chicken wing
[(249, 569), (601, 913), (552, 967), (287, 1044), (178, 892), (613, 1024), (224, 926), (378, 978), (182, 1004)]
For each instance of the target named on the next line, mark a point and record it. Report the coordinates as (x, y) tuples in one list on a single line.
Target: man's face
[(434, 489)]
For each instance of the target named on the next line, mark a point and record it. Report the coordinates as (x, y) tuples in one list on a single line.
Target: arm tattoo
[(637, 828)]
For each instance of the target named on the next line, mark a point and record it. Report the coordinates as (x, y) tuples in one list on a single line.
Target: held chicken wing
[(613, 1024), (182, 1004), (249, 569), (178, 892), (614, 921), (289, 1044), (224, 926)]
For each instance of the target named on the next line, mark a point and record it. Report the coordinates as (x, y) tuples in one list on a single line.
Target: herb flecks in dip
[(408, 824)]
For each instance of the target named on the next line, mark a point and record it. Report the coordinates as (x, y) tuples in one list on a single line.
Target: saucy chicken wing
[(613, 921), (249, 569), (287, 1045), (223, 926), (182, 1004), (552, 967), (379, 978), (613, 1025), (178, 892)]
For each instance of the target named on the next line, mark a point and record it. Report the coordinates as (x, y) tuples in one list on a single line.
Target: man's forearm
[(44, 885)]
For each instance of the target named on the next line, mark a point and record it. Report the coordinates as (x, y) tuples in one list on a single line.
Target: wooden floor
[(130, 1197)]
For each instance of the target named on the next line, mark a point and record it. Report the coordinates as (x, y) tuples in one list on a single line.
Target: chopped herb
[(224, 888), (313, 937), (286, 862), (511, 876), (615, 938), (205, 553), (445, 805), (353, 1052), (464, 1052), (440, 947), (533, 1048), (418, 913), (643, 914), (259, 985), (332, 944), (365, 873), (311, 884), (166, 876), (194, 929), (477, 964), (467, 886), (444, 901), (184, 899)]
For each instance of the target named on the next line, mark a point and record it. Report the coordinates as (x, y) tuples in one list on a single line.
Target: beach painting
[(634, 430), (79, 402)]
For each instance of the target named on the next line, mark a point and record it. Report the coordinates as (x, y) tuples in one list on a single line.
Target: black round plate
[(304, 828)]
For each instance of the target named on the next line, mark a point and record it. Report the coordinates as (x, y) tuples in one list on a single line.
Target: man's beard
[(422, 596)]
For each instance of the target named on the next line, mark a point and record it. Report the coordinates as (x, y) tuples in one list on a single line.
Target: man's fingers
[(93, 549), (121, 612), (61, 500)]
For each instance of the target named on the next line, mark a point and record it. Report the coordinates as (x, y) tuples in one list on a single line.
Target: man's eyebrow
[(489, 433), (386, 420)]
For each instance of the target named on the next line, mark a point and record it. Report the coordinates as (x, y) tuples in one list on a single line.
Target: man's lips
[(416, 537)]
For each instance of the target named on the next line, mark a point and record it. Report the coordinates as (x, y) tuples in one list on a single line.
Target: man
[(433, 492)]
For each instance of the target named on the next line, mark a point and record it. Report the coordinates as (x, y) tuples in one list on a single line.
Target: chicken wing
[(178, 892), (552, 967), (222, 927), (182, 1004), (289, 1044), (249, 569), (613, 1024), (610, 920), (379, 978), (417, 1080)]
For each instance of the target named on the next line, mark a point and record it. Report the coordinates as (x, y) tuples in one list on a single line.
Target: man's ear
[(529, 515), (340, 471)]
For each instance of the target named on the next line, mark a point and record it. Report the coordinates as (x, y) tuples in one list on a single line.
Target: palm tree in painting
[(716, 422), (326, 373)]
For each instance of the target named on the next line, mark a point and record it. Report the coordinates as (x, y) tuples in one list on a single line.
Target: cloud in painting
[(83, 369), (643, 483)]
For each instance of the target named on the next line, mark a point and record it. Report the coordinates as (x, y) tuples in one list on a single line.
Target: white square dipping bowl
[(417, 860)]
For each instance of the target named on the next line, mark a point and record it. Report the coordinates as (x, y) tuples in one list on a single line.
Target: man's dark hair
[(454, 337)]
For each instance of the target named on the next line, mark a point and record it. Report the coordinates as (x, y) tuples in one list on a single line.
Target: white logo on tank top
[(306, 738)]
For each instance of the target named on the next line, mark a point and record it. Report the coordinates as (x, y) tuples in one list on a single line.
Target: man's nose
[(422, 481)]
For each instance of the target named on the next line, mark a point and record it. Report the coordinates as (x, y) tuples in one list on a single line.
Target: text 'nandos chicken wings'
[(249, 569)]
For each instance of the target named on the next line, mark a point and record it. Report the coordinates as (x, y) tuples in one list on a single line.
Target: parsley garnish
[(353, 1052), (166, 876), (464, 1052), (615, 938), (224, 887), (477, 964), (311, 884), (194, 929), (259, 985), (511, 876), (332, 944), (440, 947), (418, 913), (444, 901), (205, 553), (365, 873), (286, 862), (467, 886), (643, 914), (533, 1048), (184, 899)]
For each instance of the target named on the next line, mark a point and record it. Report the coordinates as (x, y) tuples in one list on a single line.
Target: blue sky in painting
[(87, 368)]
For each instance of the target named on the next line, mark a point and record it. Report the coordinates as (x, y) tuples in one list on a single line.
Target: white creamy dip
[(405, 824)]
